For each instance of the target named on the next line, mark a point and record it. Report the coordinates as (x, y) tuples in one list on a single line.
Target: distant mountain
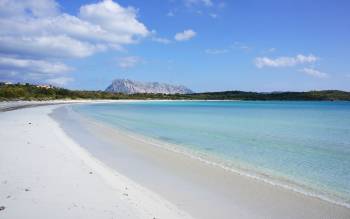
[(34, 92), (131, 87)]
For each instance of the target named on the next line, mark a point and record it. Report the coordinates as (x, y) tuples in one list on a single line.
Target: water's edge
[(291, 186)]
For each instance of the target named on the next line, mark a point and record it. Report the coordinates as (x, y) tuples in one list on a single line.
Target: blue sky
[(207, 45)]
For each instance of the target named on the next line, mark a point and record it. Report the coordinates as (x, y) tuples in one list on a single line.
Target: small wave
[(209, 160), (240, 171)]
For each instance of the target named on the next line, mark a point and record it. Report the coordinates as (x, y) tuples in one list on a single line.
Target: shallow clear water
[(305, 144)]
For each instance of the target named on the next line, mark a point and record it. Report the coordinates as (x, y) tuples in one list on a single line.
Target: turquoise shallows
[(302, 145)]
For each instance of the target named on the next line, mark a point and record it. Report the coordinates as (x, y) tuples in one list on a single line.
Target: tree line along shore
[(35, 92)]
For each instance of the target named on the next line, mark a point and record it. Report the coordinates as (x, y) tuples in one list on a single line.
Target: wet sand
[(201, 189)]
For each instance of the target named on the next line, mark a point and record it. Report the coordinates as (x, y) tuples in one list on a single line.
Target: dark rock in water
[(2, 208), (27, 190), (131, 87)]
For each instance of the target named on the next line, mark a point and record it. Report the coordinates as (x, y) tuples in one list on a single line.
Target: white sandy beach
[(44, 174), (56, 164), (174, 109)]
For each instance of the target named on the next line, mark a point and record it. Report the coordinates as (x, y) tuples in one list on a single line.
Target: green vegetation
[(32, 92)]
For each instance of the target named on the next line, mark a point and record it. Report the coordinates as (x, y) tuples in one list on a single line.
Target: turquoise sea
[(304, 146)]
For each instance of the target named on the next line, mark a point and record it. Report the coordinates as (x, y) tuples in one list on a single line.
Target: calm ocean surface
[(301, 145)]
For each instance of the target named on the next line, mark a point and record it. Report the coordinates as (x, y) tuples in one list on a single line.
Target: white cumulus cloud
[(37, 8), (314, 73), (31, 70), (60, 46), (113, 18), (185, 35), (36, 33), (32, 65), (262, 62)]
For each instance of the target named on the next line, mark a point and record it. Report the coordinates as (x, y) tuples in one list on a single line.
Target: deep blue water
[(301, 144)]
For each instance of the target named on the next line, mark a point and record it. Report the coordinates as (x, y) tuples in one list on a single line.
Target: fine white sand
[(45, 174)]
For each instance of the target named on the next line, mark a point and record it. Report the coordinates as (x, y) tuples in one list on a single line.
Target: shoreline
[(263, 178), (114, 135), (46, 174), (245, 172), (163, 181), (278, 181)]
